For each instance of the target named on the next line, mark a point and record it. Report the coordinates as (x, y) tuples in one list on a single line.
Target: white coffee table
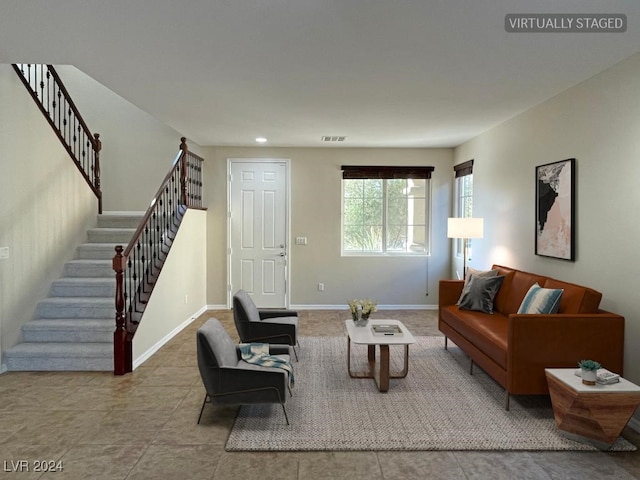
[(379, 371)]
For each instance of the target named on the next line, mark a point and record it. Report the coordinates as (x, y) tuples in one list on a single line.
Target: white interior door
[(258, 230)]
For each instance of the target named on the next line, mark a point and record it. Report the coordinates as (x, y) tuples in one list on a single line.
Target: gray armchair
[(228, 380), (266, 325)]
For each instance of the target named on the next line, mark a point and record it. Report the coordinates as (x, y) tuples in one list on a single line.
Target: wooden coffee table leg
[(382, 372)]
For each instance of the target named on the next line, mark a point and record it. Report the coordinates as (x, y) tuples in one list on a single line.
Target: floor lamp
[(465, 228)]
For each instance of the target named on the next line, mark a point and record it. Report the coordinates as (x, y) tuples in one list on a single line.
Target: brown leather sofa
[(515, 349)]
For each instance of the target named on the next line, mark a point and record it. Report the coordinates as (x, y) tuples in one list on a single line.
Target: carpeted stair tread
[(60, 356), (62, 349), (120, 219), (89, 268), (110, 235), (67, 330), (76, 307), (83, 286), (97, 251)]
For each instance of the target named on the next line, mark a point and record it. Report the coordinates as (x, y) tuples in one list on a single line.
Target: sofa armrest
[(536, 342), (449, 292), (268, 313)]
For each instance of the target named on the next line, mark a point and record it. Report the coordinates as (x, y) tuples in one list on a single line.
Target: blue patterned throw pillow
[(541, 300)]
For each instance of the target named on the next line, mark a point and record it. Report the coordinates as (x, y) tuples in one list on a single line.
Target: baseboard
[(146, 355), (339, 307), (380, 307), (217, 307)]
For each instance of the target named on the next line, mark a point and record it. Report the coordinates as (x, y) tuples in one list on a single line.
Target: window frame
[(386, 173), (463, 174)]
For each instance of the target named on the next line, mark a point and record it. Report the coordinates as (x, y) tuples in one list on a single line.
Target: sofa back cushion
[(575, 299), (519, 285), (516, 284), (500, 302)]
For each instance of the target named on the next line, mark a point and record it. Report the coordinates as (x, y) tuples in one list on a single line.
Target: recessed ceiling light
[(261, 140)]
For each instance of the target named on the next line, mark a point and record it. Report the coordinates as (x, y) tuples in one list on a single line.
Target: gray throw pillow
[(480, 294), (472, 272)]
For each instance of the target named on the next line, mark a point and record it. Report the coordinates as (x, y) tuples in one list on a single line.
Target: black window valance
[(377, 171), (463, 169)]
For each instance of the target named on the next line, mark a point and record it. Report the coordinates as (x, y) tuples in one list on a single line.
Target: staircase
[(73, 328)]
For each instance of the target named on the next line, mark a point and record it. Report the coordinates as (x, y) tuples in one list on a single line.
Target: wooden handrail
[(138, 265), (48, 91)]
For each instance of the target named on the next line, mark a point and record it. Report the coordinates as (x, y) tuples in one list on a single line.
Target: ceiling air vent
[(333, 138)]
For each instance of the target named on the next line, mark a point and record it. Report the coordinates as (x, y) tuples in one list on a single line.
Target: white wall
[(137, 149), (180, 293), (598, 123), (45, 207), (315, 213)]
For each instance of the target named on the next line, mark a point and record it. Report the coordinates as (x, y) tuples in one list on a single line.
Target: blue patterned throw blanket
[(258, 354)]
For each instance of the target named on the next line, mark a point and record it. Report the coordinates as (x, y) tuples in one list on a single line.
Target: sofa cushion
[(520, 285), (480, 293), (502, 297), (575, 299), (541, 300), (487, 332)]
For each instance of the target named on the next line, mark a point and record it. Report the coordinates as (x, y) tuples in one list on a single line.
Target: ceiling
[(383, 73)]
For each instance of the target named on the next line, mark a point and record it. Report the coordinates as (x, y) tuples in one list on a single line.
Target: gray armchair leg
[(294, 352), (202, 409), (285, 413)]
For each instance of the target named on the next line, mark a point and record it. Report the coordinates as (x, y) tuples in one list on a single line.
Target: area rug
[(438, 406)]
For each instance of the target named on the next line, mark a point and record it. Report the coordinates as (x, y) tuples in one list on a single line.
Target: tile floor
[(143, 425)]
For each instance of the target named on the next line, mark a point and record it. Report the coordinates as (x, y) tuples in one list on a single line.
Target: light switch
[(4, 253), (301, 240)]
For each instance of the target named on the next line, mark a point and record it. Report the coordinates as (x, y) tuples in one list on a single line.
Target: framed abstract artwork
[(555, 209)]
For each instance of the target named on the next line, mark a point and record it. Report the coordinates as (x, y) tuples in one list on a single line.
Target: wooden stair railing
[(53, 100), (138, 265)]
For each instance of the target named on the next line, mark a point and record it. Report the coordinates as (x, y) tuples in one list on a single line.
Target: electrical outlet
[(4, 253), (321, 287)]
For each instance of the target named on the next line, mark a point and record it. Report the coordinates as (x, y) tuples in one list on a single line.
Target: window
[(464, 197), (385, 210)]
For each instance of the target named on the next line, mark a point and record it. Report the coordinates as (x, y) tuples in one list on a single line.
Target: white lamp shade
[(465, 227)]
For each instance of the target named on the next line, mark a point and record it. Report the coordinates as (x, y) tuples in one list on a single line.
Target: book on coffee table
[(386, 330), (603, 376)]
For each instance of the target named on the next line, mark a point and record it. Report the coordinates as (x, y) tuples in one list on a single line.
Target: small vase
[(362, 321), (588, 377)]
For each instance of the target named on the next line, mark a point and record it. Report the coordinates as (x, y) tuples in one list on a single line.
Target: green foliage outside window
[(385, 216)]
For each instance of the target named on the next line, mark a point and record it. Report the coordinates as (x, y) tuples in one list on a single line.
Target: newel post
[(97, 146), (122, 360), (183, 171)]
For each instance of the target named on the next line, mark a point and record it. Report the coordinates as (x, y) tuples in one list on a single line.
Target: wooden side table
[(591, 414)]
